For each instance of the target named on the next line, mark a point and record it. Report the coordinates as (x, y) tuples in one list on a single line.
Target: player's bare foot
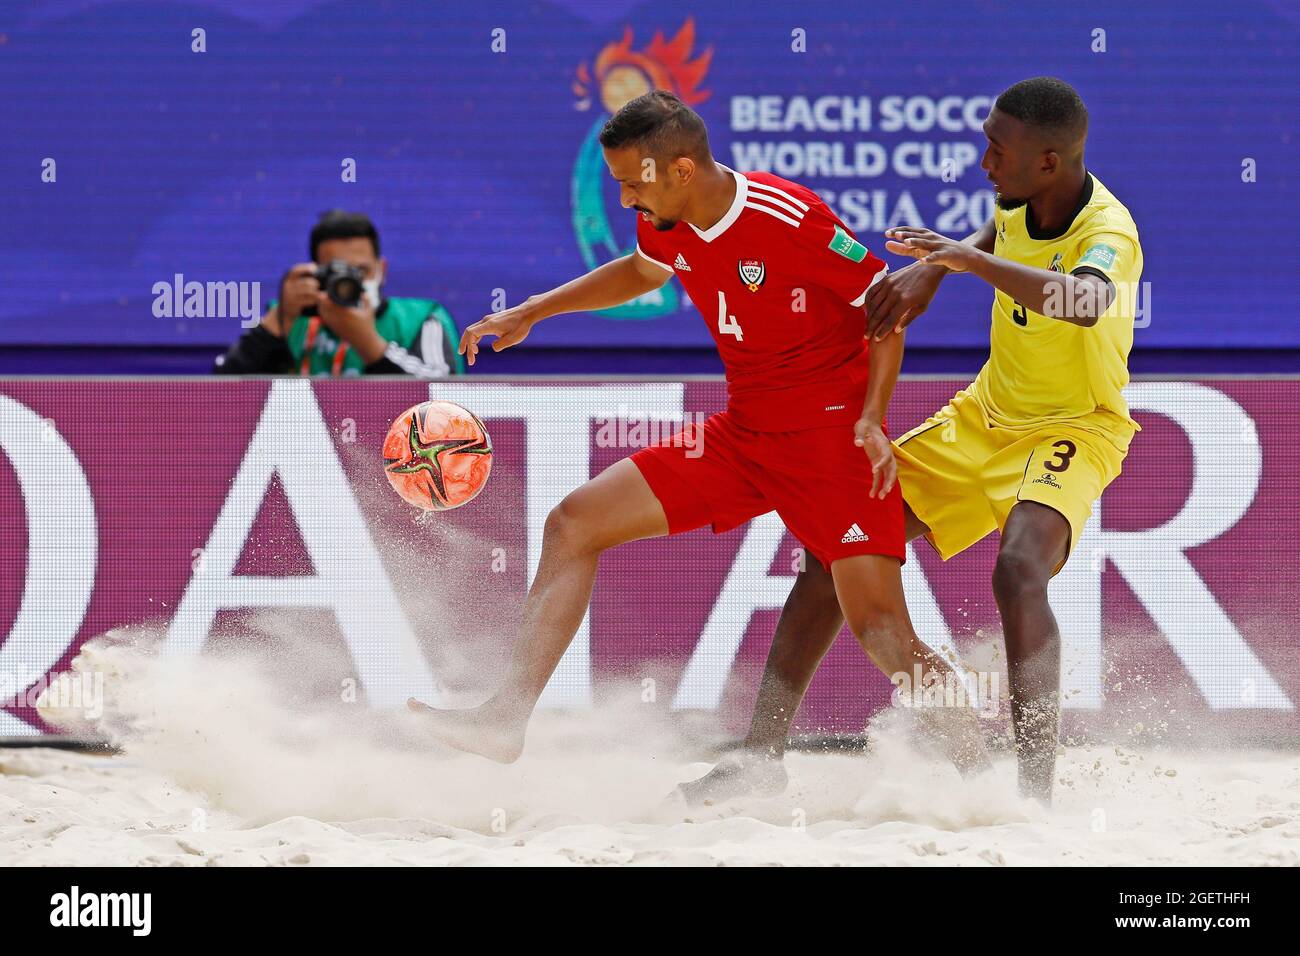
[(480, 730), (738, 775), (955, 734)]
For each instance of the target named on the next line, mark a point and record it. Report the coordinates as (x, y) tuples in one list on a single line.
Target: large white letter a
[(292, 440)]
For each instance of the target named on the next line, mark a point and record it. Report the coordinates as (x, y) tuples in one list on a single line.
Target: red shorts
[(816, 479)]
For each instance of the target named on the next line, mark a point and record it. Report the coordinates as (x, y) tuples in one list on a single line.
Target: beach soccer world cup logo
[(618, 74)]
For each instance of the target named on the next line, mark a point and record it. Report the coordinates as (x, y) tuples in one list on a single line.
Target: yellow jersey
[(1043, 370)]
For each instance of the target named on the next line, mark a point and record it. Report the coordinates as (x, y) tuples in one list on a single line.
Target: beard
[(1006, 203), (660, 225)]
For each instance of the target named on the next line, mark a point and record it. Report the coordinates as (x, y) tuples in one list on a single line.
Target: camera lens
[(345, 291)]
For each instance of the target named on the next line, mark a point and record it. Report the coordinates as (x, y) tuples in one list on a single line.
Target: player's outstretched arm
[(612, 284), (884, 361), (900, 297), (1078, 299)]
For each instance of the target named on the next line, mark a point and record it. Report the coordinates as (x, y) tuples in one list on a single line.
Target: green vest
[(400, 322)]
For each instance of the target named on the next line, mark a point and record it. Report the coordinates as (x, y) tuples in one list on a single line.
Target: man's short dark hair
[(661, 125), (1047, 104), (338, 224)]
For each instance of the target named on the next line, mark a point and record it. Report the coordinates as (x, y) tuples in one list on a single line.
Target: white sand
[(221, 767), (68, 809)]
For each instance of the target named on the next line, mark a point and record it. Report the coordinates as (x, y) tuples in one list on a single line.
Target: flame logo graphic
[(621, 73)]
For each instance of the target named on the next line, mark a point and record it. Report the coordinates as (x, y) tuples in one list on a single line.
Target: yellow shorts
[(961, 474)]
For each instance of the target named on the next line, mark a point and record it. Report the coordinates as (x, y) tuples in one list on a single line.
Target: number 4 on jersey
[(727, 324)]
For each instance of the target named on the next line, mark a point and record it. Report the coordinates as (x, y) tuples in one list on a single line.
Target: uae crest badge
[(753, 273)]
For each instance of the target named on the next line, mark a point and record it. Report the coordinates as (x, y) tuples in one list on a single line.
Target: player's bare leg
[(1034, 542), (870, 590), (809, 624), (614, 507), (810, 621)]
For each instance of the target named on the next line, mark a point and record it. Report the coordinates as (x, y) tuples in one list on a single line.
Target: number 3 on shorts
[(1065, 450), (727, 324)]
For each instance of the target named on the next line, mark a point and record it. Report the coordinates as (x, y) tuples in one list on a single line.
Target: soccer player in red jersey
[(781, 283)]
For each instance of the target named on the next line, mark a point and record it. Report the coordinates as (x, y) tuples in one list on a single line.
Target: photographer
[(332, 318)]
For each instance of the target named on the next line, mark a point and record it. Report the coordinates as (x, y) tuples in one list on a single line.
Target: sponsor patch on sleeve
[(845, 245), (1100, 255)]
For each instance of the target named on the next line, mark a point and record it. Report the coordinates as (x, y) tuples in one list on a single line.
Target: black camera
[(342, 282)]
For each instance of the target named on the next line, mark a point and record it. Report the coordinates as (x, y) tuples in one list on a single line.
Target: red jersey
[(780, 282)]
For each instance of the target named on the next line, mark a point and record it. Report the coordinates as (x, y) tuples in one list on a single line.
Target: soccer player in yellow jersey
[(1024, 449)]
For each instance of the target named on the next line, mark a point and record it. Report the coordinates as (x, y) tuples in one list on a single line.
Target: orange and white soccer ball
[(437, 455)]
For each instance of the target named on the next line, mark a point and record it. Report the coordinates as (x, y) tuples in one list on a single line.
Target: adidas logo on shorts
[(681, 263), (854, 534)]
